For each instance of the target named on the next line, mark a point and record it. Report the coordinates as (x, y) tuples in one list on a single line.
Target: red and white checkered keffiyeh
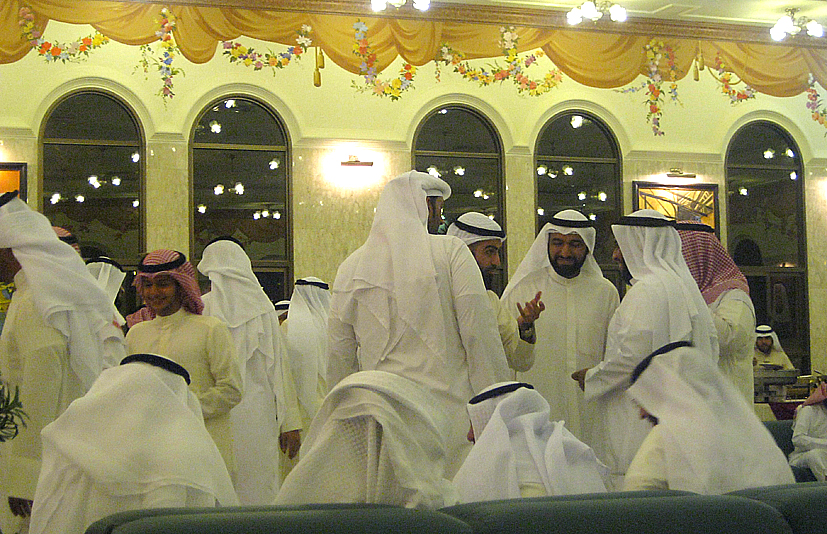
[(711, 266), (67, 237), (184, 274)]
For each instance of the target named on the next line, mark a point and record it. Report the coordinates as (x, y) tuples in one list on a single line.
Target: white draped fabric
[(712, 441), (135, 440), (378, 438), (810, 439), (110, 277)]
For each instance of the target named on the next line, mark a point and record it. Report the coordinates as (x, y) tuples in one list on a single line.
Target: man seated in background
[(810, 434), (135, 440), (768, 351), (518, 452), (705, 439), (378, 438)]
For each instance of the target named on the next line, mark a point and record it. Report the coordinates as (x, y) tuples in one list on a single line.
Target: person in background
[(260, 425), (110, 275), (484, 238), (202, 345), (518, 452), (768, 351), (704, 439), (726, 292), (810, 434)]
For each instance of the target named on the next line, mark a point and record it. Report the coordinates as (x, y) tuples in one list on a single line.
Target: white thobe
[(775, 357), (638, 328), (571, 335), (518, 353), (734, 319), (810, 439), (471, 359), (203, 346)]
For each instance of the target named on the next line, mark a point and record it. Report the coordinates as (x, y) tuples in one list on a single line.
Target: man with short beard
[(571, 333), (484, 238)]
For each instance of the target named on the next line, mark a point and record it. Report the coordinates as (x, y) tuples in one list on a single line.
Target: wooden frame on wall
[(685, 202), (13, 177)]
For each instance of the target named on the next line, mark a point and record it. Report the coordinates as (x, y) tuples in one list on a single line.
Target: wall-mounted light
[(353, 161), (678, 173)]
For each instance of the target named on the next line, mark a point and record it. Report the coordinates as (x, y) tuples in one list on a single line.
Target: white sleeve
[(803, 427)]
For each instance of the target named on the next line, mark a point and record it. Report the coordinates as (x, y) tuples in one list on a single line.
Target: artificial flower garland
[(815, 104), (724, 77), (169, 50), (655, 52), (246, 56), (393, 88), (51, 52), (513, 70)]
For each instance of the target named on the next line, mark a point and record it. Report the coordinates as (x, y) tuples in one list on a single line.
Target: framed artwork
[(13, 177), (691, 202)]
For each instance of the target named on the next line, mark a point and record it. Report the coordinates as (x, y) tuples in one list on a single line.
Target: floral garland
[(513, 70), (246, 56), (74, 51), (655, 52), (169, 50), (372, 84), (815, 104), (724, 77)]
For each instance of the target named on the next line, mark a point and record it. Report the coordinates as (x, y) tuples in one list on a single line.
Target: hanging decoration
[(513, 70), (815, 104), (74, 51), (725, 78), (655, 52), (372, 84), (169, 50), (248, 57)]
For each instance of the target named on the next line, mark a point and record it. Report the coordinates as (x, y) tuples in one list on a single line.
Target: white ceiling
[(757, 12)]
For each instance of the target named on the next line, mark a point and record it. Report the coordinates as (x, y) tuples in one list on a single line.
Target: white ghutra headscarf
[(473, 227), (64, 293), (110, 276)]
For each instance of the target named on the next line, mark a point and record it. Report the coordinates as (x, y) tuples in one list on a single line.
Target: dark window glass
[(79, 117)]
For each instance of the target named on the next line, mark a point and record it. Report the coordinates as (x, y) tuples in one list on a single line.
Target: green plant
[(11, 413)]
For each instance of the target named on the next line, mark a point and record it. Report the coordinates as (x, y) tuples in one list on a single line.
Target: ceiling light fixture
[(380, 5), (595, 11), (678, 173), (790, 25)]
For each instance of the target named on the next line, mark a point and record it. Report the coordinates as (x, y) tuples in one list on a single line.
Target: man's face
[(434, 213), (162, 294), (8, 266), (617, 257), (567, 253), (764, 344), (487, 254)]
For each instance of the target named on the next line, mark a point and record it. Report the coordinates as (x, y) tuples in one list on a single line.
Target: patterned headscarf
[(711, 266), (67, 237), (174, 264)]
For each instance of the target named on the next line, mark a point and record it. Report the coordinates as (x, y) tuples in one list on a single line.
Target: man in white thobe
[(136, 440), (704, 439), (663, 305), (414, 304), (518, 452), (726, 292), (58, 336), (484, 238), (265, 417), (571, 333), (202, 345), (810, 434), (768, 350)]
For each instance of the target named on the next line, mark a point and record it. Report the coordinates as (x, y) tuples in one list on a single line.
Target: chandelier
[(595, 11), (790, 25), (380, 5)]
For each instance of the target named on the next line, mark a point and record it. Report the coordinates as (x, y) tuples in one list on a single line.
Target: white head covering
[(65, 294), (564, 222), (473, 227), (396, 257), (651, 248), (307, 339), (713, 442), (378, 438), (110, 276), (137, 430), (765, 330), (514, 435)]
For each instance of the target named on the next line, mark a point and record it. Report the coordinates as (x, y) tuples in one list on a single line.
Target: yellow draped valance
[(595, 59)]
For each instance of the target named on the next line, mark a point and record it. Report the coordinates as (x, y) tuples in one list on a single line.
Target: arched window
[(578, 167), (766, 234), (240, 163), (92, 174), (462, 147)]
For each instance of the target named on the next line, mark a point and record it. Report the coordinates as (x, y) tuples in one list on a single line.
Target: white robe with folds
[(571, 335), (810, 439), (471, 359), (734, 318), (204, 347), (136, 440)]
